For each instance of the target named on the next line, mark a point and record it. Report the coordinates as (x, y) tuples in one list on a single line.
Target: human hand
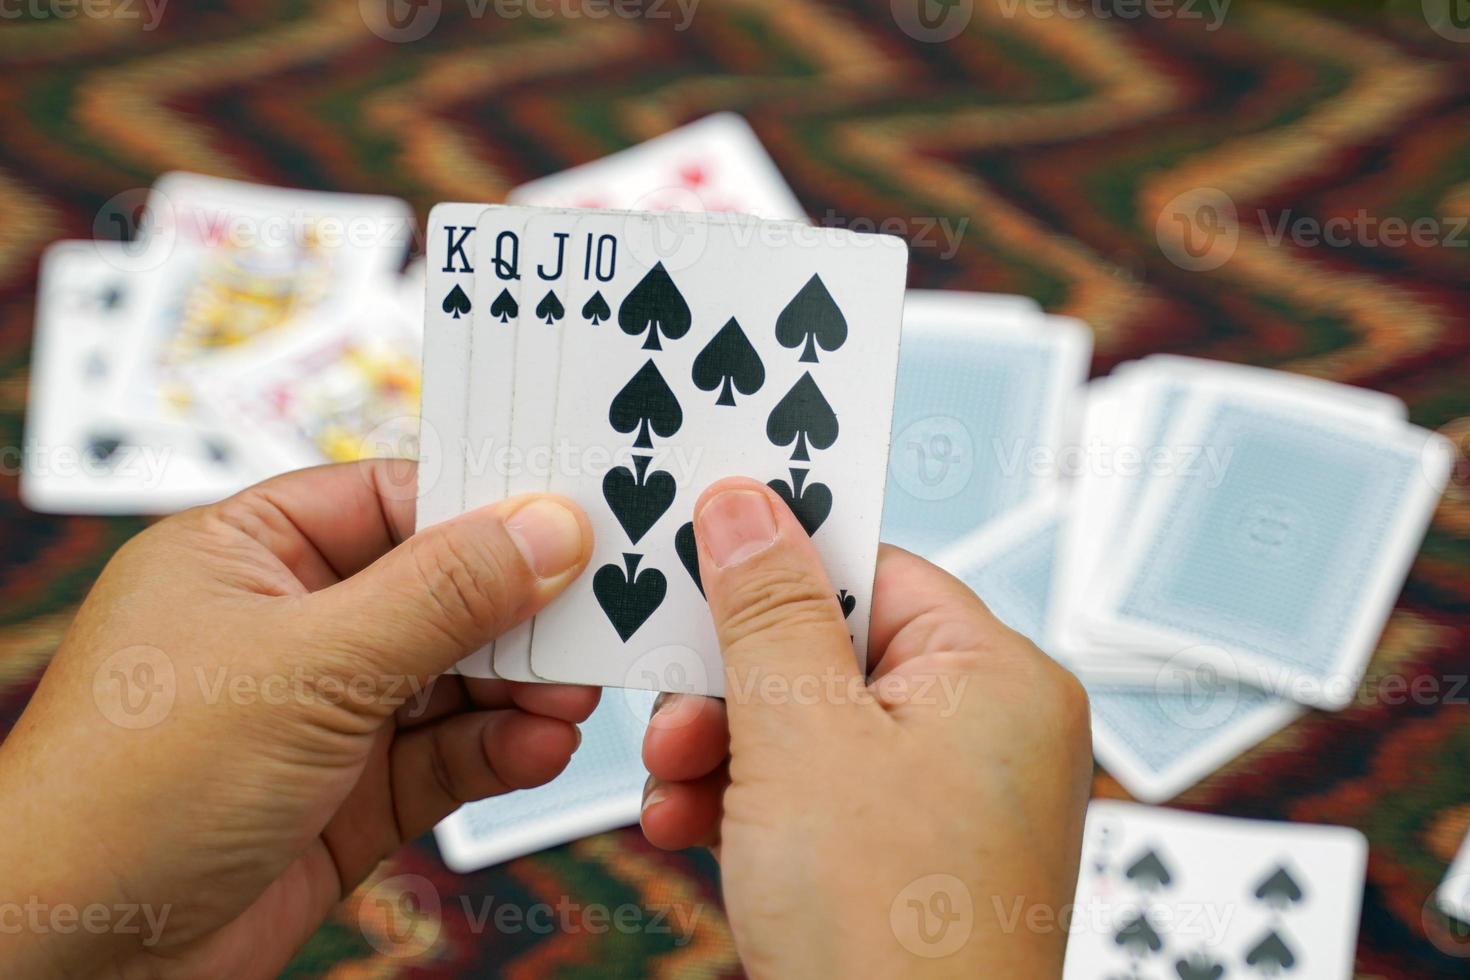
[(243, 719), (887, 828)]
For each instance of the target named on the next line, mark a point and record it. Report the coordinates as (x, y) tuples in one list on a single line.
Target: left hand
[(244, 718)]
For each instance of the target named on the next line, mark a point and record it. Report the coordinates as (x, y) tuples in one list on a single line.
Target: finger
[(455, 586), (684, 814), (445, 696), (438, 768), (920, 608), (574, 703), (775, 611), (328, 522), (687, 737)]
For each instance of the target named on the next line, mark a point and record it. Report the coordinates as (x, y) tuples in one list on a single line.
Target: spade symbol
[(550, 309), (638, 501), (1138, 937), (101, 448), (596, 309), (1271, 956), (654, 305), (848, 602), (505, 308), (217, 451), (645, 404), (810, 504), (629, 599), (812, 319), (1199, 967), (1279, 890), (1149, 872), (729, 361), (689, 553), (457, 303), (803, 417)]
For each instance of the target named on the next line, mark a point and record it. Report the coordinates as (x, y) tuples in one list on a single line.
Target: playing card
[(236, 264), (695, 349), (715, 164), (77, 460), (1288, 561), (346, 390), (986, 388), (601, 789), (1157, 734), (448, 328), (533, 358), (1128, 439), (1168, 893)]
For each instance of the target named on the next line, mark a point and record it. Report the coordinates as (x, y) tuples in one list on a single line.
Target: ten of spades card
[(695, 349)]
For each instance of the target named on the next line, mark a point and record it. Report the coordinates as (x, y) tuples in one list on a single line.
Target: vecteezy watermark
[(936, 458), (921, 232), (1211, 13), (140, 686), (933, 916), (933, 21), (1446, 913), (1196, 924), (153, 226), (143, 466), (1200, 230), (39, 918), (403, 917), (150, 12), (1450, 19), (406, 21)]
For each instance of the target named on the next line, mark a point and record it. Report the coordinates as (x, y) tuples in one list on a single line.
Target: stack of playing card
[(1218, 551), (1163, 893), (246, 331)]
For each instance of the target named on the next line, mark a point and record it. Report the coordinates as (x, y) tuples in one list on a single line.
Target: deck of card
[(1213, 550)]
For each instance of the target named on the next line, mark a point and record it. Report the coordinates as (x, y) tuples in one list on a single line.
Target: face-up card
[(347, 390), (715, 164), (548, 276), (448, 328), (986, 388), (1288, 562), (1157, 735), (534, 359), (1176, 894), (728, 348), (235, 264), (77, 459)]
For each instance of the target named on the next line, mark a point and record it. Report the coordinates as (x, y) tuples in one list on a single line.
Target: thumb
[(781, 630), (453, 587)]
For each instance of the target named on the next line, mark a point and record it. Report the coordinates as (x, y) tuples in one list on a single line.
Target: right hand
[(902, 826)]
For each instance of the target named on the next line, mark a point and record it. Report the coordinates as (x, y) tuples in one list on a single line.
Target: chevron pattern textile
[(1030, 152)]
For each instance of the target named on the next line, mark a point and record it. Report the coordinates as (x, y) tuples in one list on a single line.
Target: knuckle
[(775, 598), (472, 587), (1072, 706)]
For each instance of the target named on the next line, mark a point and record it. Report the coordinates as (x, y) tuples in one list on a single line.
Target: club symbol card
[(692, 348), (1164, 893)]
